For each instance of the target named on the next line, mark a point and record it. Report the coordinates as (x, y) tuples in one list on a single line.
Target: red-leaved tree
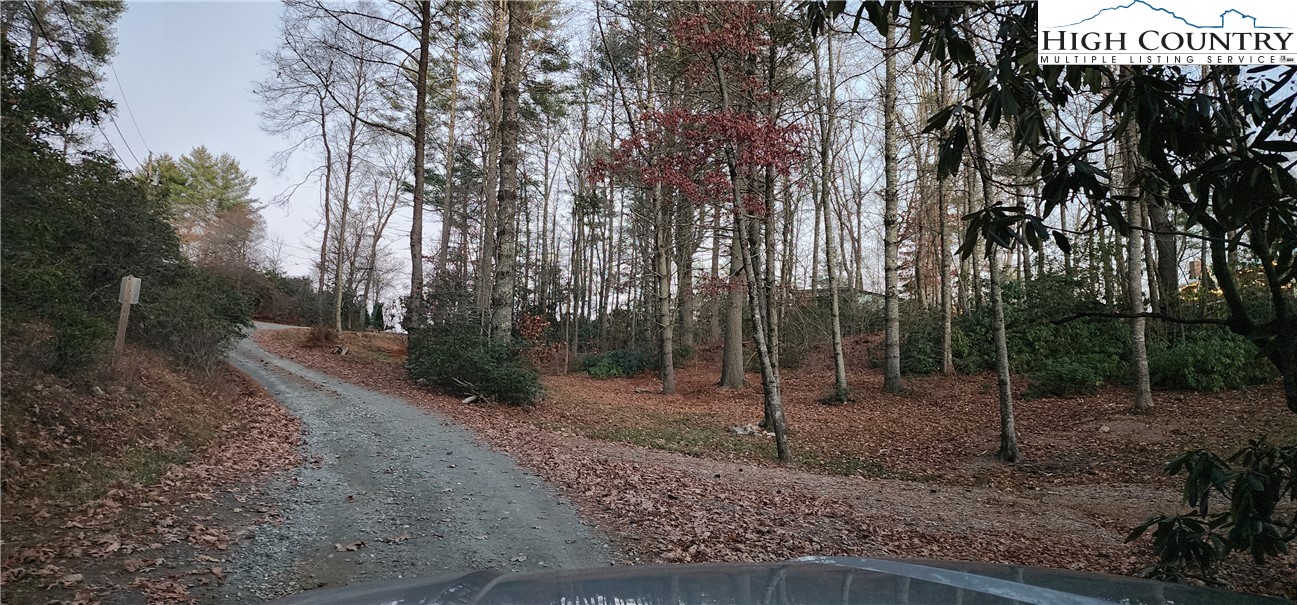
[(723, 146)]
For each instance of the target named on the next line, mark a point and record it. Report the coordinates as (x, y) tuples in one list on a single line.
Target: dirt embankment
[(130, 485)]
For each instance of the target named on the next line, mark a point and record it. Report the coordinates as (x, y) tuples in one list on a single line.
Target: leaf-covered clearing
[(909, 475)]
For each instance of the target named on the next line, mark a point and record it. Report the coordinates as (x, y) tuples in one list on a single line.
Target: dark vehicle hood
[(809, 581)]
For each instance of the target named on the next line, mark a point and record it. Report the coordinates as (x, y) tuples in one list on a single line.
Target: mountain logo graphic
[(1245, 19)]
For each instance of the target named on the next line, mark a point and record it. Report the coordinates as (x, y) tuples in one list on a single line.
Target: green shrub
[(80, 341), (195, 319), (1068, 376), (1036, 344), (617, 363), (457, 358), (1209, 360), (1252, 485), (920, 339), (681, 354)]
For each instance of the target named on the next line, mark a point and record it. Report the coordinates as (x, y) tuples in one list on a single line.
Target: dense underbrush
[(1079, 356), (447, 349)]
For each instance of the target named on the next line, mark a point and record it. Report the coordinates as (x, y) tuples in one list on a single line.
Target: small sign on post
[(128, 295), (131, 285)]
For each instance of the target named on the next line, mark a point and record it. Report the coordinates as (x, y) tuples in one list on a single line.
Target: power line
[(58, 55), (127, 103), (138, 163), (111, 146), (72, 28)]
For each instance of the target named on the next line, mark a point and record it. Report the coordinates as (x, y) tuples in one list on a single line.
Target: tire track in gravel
[(424, 494)]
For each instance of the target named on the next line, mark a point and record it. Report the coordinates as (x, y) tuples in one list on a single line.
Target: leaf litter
[(907, 475), (94, 549)]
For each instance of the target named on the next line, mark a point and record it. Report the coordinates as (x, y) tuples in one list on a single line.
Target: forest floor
[(907, 475), (131, 485)]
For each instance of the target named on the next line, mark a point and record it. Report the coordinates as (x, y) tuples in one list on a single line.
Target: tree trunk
[(502, 292), (666, 329), (841, 391), (947, 308), (819, 186), (1134, 265), (891, 294), (1008, 433), (1068, 268), (1168, 273), (447, 204), (1105, 256), (774, 405), (574, 283), (732, 371), (765, 249), (686, 244), (542, 281), (328, 186), (338, 260), (1150, 265), (415, 310), (714, 315), (1008, 451), (491, 174)]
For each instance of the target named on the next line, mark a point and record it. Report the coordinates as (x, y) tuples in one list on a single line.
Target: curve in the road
[(424, 495)]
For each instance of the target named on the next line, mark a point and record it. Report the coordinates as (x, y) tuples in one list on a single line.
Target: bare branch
[(1210, 321)]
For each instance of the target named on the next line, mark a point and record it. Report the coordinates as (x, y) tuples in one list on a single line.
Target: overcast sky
[(186, 70)]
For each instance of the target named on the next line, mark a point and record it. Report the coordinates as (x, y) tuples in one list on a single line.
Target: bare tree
[(825, 108), (296, 103), (891, 243)]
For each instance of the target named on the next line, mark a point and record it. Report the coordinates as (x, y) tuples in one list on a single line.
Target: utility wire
[(128, 108), (138, 163), (58, 55), (72, 28)]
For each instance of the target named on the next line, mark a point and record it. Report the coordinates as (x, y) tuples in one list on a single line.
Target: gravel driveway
[(423, 494)]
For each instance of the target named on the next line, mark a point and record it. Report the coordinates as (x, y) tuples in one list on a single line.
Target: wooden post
[(128, 295)]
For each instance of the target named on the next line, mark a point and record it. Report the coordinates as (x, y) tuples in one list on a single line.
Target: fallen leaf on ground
[(917, 485), (134, 565), (71, 580)]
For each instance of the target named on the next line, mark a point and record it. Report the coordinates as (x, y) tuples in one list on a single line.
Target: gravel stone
[(373, 469)]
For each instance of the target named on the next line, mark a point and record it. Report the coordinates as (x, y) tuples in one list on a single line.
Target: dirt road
[(391, 491)]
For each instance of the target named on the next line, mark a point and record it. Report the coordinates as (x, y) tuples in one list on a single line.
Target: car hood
[(810, 581)]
